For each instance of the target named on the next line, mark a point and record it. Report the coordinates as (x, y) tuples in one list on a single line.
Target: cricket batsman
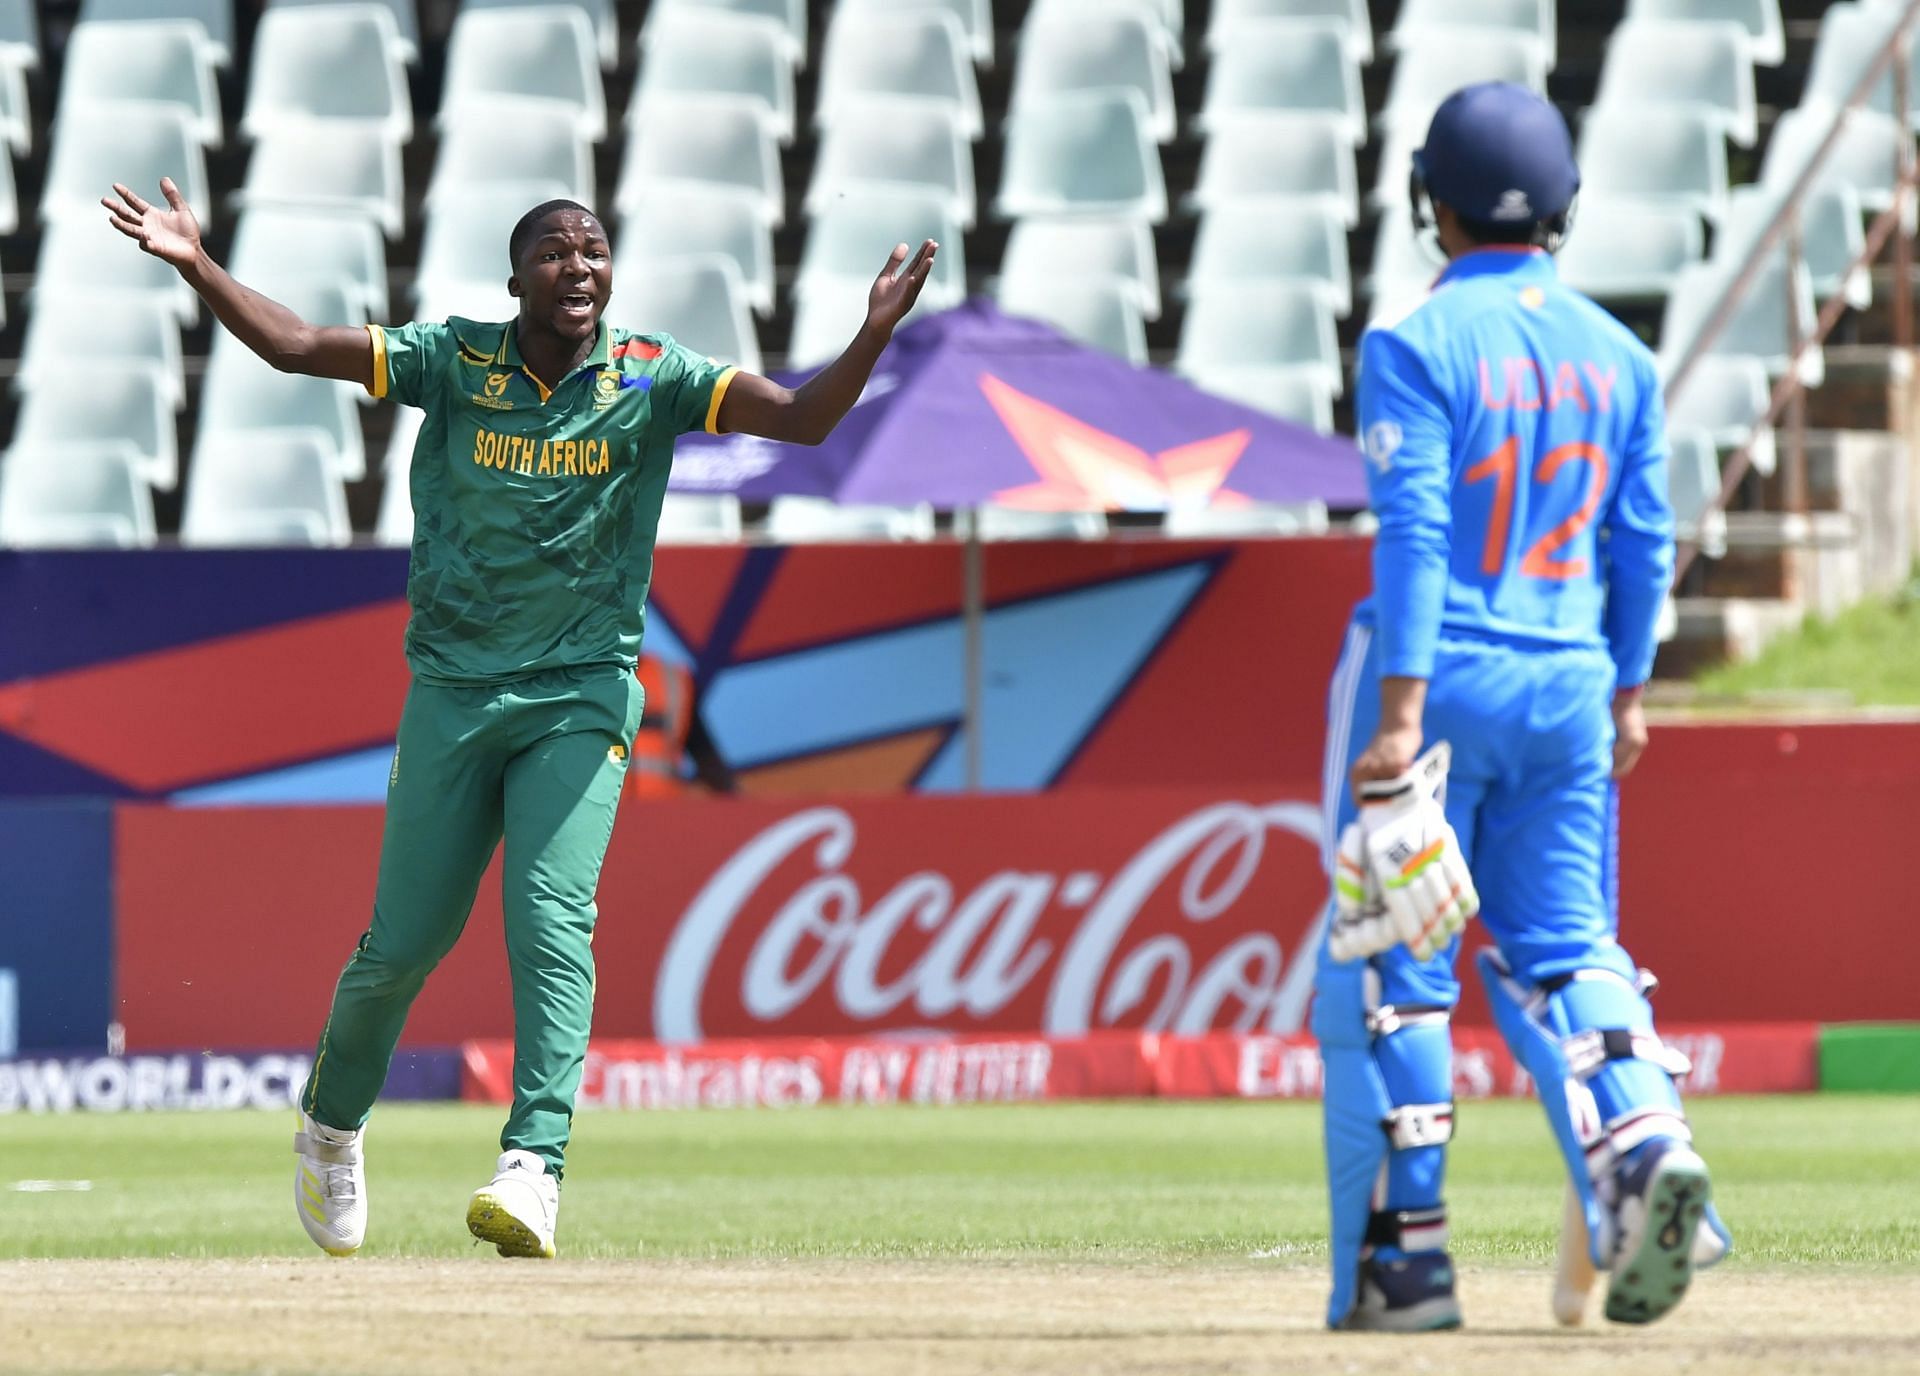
[(1516, 457), (537, 483)]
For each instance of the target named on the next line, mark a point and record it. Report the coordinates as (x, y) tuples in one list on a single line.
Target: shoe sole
[(1649, 1284), (1429, 1316), (489, 1220)]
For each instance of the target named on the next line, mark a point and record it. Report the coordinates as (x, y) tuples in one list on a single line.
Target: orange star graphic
[(1083, 468)]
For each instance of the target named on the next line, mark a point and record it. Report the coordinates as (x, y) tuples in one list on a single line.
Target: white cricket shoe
[(518, 1211), (330, 1186)]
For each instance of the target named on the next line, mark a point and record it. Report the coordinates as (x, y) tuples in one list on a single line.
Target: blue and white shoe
[(1411, 1294), (1663, 1196)]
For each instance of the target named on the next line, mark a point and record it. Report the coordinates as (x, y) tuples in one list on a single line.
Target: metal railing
[(1788, 398)]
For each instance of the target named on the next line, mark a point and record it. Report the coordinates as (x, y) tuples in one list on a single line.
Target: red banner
[(799, 1073)]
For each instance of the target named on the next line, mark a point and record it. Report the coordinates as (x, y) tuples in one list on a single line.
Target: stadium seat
[(895, 141), (1649, 65), (514, 139), (1290, 66), (916, 51), (1831, 237), (1298, 394), (1393, 160), (1851, 37), (1254, 240), (16, 113), (550, 53), (1442, 60), (243, 393), (1534, 18), (1693, 486), (1759, 326), (699, 518), (688, 51), (1351, 15), (825, 321), (215, 18), (701, 301), (81, 253), (135, 143), (19, 34), (1725, 396), (1166, 20), (1079, 49), (1672, 155), (713, 146), (600, 13), (789, 15), (1253, 156), (265, 487), (406, 20), (1404, 267), (126, 403), (316, 300), (1864, 156), (1103, 312), (393, 525), (1238, 522), (1259, 323), (74, 337), (975, 18), (334, 63), (275, 244), (849, 240), (1624, 249), (339, 165), (804, 520), (678, 219), (9, 211), (1082, 244), (1003, 523), (1760, 19), (165, 62), (1088, 153), (398, 457), (74, 496)]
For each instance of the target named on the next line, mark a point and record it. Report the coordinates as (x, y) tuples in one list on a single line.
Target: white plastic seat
[(333, 63), (1623, 248), (1831, 237), (806, 520), (1115, 248), (19, 34), (975, 18), (9, 208), (1281, 240), (1674, 155), (1393, 160), (1299, 394), (1533, 18), (895, 141), (825, 321), (1166, 20), (514, 139), (406, 20), (1000, 524), (1287, 66), (129, 402), (1851, 37), (699, 518), (1725, 396), (81, 253), (74, 496), (1759, 326), (16, 114), (1253, 323), (215, 18), (549, 53), (1351, 15), (789, 15), (1404, 265), (688, 50), (1693, 486), (700, 301), (1760, 19), (135, 143), (397, 458), (89, 330), (600, 13), (1083, 49), (715, 146), (1102, 312), (1238, 522), (164, 62), (339, 165), (243, 393), (850, 239), (1650, 65), (276, 244), (393, 524), (1443, 60), (1279, 155), (1083, 154), (677, 220), (264, 487), (316, 300), (1863, 158), (915, 51)]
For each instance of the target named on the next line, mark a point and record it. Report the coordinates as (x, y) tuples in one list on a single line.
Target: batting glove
[(1361, 927), (1414, 856)]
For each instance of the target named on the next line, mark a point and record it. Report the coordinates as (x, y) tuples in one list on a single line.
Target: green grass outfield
[(1830, 1179)]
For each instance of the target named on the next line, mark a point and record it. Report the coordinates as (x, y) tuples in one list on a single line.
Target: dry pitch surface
[(425, 1318)]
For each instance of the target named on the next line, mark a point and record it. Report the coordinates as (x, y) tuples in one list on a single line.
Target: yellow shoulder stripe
[(720, 385), (379, 382)]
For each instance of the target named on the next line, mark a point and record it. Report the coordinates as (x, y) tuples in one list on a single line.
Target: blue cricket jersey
[(1517, 460)]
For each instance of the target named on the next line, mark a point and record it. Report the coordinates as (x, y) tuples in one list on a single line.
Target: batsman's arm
[(1639, 547), (275, 333), (807, 414)]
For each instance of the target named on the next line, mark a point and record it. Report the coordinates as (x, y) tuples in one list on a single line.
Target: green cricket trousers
[(539, 761)]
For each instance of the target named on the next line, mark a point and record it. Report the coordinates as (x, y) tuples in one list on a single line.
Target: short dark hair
[(525, 231)]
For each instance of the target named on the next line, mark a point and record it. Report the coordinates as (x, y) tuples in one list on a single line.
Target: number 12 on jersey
[(1502, 466)]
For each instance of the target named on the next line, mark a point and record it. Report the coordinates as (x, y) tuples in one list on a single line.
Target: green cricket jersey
[(534, 512)]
